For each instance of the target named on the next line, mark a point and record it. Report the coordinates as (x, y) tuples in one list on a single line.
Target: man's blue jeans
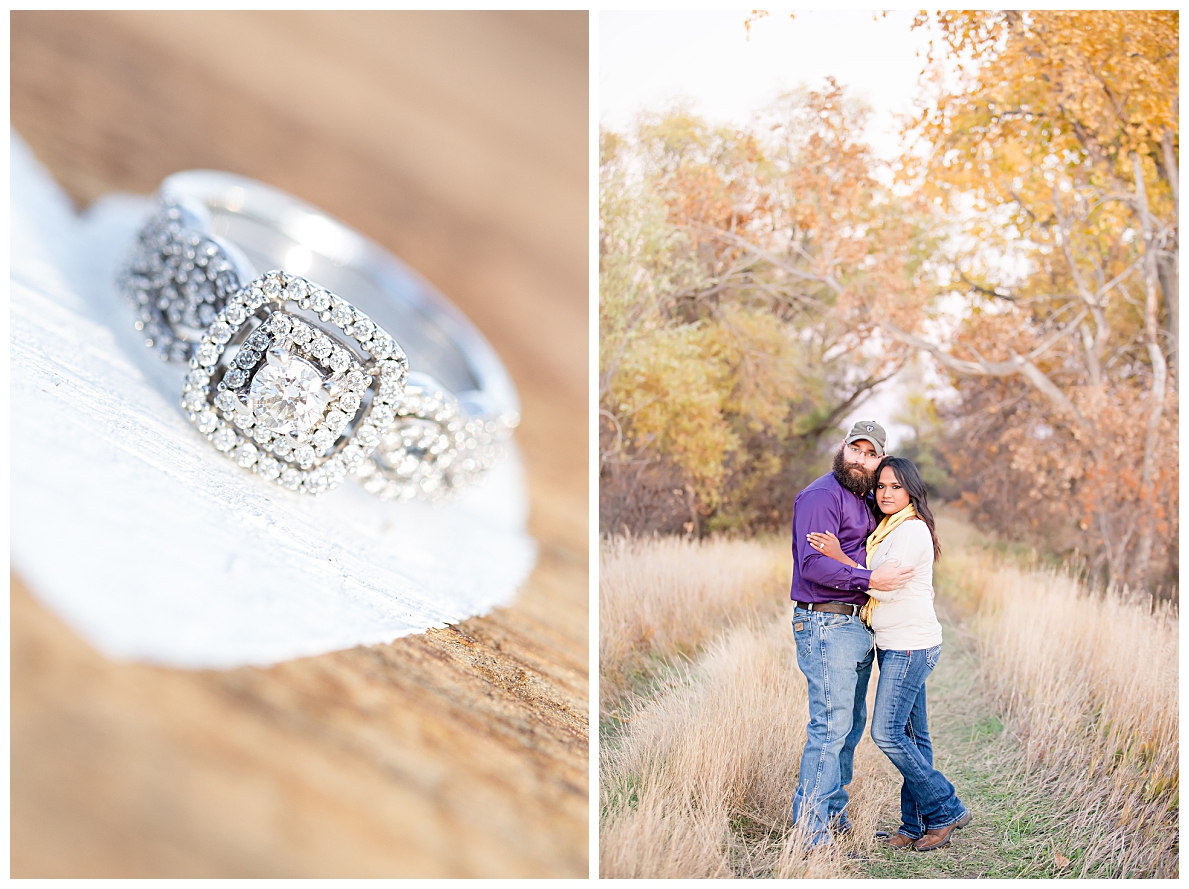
[(900, 729), (835, 652)]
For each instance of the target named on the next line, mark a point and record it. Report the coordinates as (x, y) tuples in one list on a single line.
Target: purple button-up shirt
[(827, 506)]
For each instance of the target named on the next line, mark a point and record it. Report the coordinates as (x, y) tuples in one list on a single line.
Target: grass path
[(1014, 825)]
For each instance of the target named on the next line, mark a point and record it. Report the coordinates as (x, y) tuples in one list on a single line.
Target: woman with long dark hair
[(908, 646)]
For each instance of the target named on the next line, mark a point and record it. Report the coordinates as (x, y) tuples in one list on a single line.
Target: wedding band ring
[(291, 379)]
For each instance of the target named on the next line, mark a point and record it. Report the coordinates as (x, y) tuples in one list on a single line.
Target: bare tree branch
[(839, 410), (767, 255), (1159, 368), (1057, 335), (1017, 364), (1084, 292), (1170, 168), (1118, 279), (986, 291)]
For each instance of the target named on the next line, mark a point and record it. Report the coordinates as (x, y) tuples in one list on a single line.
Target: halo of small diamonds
[(300, 401)]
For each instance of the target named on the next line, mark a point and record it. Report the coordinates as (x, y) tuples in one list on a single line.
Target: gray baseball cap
[(870, 431)]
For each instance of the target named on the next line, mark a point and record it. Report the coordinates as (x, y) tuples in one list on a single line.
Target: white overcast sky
[(648, 59)]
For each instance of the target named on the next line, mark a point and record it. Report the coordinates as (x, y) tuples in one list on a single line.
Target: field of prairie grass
[(1054, 711)]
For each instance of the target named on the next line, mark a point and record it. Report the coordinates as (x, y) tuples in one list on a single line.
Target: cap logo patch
[(870, 428)]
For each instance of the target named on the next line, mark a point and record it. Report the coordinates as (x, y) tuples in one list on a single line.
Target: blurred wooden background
[(458, 141)]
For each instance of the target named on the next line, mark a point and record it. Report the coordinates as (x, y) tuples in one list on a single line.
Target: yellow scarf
[(887, 525)]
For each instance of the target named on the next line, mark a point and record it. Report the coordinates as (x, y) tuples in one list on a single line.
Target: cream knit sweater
[(905, 620)]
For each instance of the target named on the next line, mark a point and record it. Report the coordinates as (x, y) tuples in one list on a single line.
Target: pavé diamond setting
[(293, 383), (178, 280), (430, 450)]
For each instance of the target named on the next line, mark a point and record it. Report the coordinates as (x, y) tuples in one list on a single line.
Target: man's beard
[(853, 477)]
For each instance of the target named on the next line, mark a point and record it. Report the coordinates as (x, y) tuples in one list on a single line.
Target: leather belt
[(830, 607)]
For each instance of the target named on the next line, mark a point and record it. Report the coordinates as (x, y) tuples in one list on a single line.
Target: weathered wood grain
[(459, 141)]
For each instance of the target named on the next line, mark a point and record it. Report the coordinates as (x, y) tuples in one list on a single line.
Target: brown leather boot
[(935, 839), (899, 841)]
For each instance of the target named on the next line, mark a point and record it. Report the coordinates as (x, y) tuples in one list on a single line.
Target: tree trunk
[(1159, 381), (1169, 265), (1166, 269)]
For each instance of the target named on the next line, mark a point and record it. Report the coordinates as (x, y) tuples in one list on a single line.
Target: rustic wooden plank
[(458, 141)]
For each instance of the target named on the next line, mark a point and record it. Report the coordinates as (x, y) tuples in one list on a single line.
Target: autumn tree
[(1055, 157), (739, 273)]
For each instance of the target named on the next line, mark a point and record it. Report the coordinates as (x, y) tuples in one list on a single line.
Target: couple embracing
[(864, 542)]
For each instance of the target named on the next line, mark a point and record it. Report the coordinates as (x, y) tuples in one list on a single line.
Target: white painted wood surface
[(154, 546)]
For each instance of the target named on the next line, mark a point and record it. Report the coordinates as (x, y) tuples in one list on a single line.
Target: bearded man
[(834, 648)]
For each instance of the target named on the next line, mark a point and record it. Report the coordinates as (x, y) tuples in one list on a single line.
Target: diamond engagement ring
[(289, 378)]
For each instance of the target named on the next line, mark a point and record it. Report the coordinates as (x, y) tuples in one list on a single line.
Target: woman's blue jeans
[(900, 728), (835, 652)]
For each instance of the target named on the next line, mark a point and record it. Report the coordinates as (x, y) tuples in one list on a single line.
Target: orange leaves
[(756, 282), (1005, 444), (738, 271), (1081, 86), (701, 196), (1033, 156), (706, 176)]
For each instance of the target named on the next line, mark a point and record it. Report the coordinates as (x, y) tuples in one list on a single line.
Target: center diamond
[(287, 394)]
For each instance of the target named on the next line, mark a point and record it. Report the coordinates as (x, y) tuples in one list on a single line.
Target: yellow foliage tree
[(1055, 155)]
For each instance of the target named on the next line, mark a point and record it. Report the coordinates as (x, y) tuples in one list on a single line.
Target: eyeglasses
[(859, 452)]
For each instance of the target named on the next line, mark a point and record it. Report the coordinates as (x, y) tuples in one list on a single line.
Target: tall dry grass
[(660, 599), (700, 784), (1089, 682), (698, 775), (707, 711)]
